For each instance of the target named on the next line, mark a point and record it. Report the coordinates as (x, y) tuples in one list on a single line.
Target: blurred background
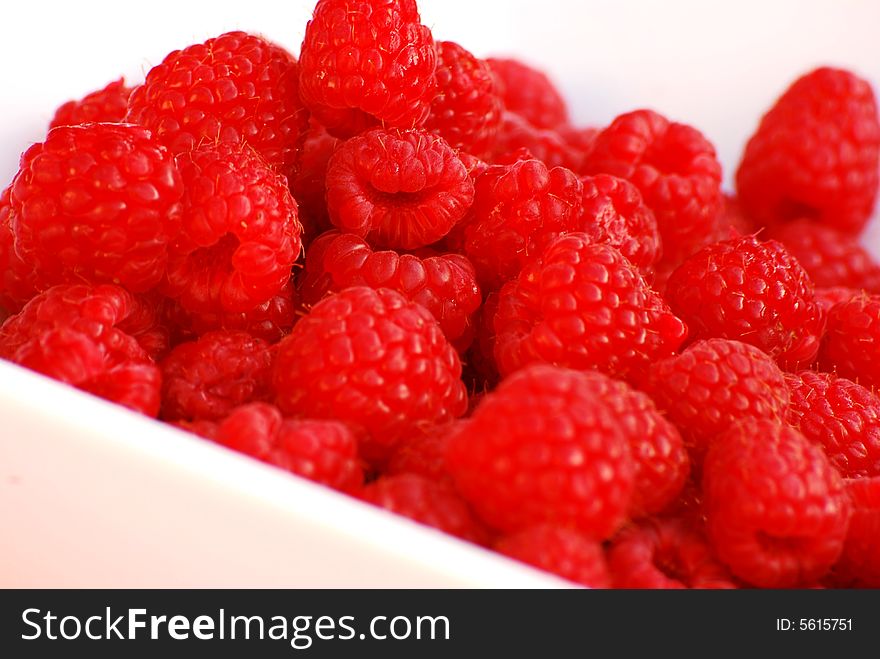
[(716, 65)]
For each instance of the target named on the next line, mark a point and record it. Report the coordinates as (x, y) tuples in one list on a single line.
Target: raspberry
[(659, 455), (544, 449), (815, 154), (426, 502), (18, 281), (664, 553), (97, 203), (398, 188), (206, 379), (777, 510), (564, 552), (675, 169), (518, 209), (78, 334), (365, 62), (104, 105), (618, 216), (240, 233), (851, 345), (839, 415), (859, 564), (269, 321), (467, 109), (322, 451), (233, 88), (826, 298), (309, 183), (732, 221), (578, 138), (529, 92), (751, 291), (830, 258), (424, 454), (444, 284), (583, 306), (518, 140), (713, 385), (372, 359)]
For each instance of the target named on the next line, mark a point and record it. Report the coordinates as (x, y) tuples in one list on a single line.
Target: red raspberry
[(830, 258), (323, 451), (104, 105), (529, 92), (544, 449), (518, 140), (240, 233), (270, 321), (373, 359), (815, 154), (202, 428), (713, 385), (18, 281), (777, 510), (564, 552), (851, 346), (78, 334), (583, 306), (578, 138), (467, 109), (365, 62), (399, 188), (424, 453), (97, 203), (859, 564), (733, 222), (828, 297), (446, 285), (309, 183), (659, 455), (615, 214), (426, 502), (233, 88), (206, 379), (751, 291), (839, 415), (518, 209), (664, 553), (675, 169)]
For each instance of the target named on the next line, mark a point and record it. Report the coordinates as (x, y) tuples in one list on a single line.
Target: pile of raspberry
[(401, 271)]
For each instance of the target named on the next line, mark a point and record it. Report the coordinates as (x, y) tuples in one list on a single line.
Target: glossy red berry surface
[(108, 104)]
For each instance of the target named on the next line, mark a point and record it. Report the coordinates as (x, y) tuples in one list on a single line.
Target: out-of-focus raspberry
[(98, 203), (544, 449), (826, 298), (815, 154), (777, 510), (529, 92), (713, 385), (468, 107), (445, 284), (18, 281), (367, 62), (427, 502), (374, 360), (108, 105), (240, 233), (562, 551), (851, 346), (859, 564), (674, 167), (517, 139), (235, 88), (663, 553), (74, 333), (398, 188), (309, 183), (324, 451), (751, 291), (424, 453), (583, 306), (206, 379)]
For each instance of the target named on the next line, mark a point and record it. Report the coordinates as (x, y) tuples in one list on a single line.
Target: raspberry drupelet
[(400, 189), (108, 104), (367, 62)]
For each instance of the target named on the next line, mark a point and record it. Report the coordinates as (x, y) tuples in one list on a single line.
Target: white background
[(716, 65)]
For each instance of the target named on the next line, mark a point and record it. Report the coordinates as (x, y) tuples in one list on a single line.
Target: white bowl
[(94, 495)]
